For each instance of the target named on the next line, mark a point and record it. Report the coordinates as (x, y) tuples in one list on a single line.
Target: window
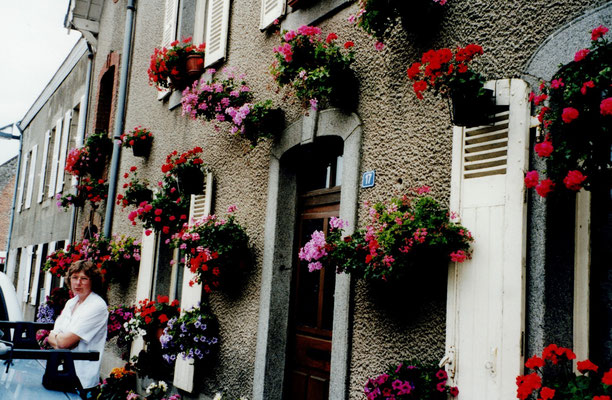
[(302, 12), (57, 136), (31, 175), (44, 171), (22, 179)]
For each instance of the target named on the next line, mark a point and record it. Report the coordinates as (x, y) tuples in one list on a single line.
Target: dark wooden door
[(311, 317)]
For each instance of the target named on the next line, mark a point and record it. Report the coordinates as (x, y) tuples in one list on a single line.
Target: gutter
[(10, 231), (120, 120), (82, 128)]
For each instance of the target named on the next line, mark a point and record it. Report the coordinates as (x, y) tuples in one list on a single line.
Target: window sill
[(314, 14)]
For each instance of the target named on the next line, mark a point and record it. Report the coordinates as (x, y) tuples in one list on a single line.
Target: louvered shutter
[(80, 135), (63, 150), (11, 264), (48, 276), (145, 278), (486, 295), (192, 295), (43, 167), (25, 273), (169, 33), (37, 267), (217, 25), (31, 176), (270, 11), (22, 179), (55, 160)]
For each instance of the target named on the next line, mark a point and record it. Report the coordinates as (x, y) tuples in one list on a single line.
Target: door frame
[(280, 225)]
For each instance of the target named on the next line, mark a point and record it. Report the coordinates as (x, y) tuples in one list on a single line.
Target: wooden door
[(311, 318)]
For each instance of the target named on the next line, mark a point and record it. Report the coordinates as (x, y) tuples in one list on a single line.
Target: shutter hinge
[(448, 361)]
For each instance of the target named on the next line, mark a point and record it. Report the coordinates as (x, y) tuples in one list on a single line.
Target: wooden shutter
[(63, 150), (169, 33), (192, 295), (486, 295), (11, 264), (25, 273), (43, 167), (55, 160), (270, 11), (31, 176), (37, 267), (48, 276), (22, 179), (217, 25), (80, 135)]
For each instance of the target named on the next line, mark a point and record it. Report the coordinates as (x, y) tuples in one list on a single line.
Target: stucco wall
[(8, 170), (407, 142)]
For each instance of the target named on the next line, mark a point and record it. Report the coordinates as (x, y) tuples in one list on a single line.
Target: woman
[(82, 324)]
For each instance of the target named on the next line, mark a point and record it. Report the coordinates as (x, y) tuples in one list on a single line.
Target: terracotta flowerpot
[(190, 180), (141, 148), (194, 65)]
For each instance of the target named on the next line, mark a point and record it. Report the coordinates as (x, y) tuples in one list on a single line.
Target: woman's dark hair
[(92, 271)]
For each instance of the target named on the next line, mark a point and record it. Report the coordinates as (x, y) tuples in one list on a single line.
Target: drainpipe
[(10, 232), (120, 119), (82, 128)]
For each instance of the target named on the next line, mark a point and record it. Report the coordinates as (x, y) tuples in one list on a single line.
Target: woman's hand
[(63, 340)]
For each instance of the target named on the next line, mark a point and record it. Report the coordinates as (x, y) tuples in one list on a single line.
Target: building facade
[(526, 285)]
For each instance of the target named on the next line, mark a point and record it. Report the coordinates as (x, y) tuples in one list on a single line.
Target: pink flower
[(331, 37), (148, 232), (581, 54), (231, 208), (288, 36), (308, 30), (605, 107), (314, 103), (458, 256), (314, 250), (531, 179), (556, 84), (545, 187), (585, 85), (598, 32), (337, 223), (544, 149), (573, 180), (351, 19), (423, 189), (569, 114), (379, 46)]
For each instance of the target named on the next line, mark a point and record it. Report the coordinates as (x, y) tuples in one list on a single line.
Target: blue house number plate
[(368, 179)]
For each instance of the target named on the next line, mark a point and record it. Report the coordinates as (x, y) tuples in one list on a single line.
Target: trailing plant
[(215, 249), (553, 377), (58, 262), (410, 380), (169, 62), (194, 335), (404, 235), (136, 191), (317, 70), (229, 98), (378, 17), (447, 72), (575, 112), (92, 190)]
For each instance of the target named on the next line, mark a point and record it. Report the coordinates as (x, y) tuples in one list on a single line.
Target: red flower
[(581, 54), (569, 114), (545, 187), (527, 384), (163, 318), (535, 361), (332, 36), (607, 378), (586, 365), (133, 168), (414, 70), (605, 107), (454, 391), (598, 32), (349, 44), (419, 87), (601, 397), (547, 393), (573, 180), (585, 85), (544, 149)]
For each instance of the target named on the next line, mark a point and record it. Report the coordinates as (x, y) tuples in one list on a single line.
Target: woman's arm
[(63, 340)]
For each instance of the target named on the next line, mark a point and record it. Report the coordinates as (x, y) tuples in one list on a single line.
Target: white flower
[(163, 386), (218, 396)]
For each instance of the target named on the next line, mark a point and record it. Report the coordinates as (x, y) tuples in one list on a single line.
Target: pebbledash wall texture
[(407, 142)]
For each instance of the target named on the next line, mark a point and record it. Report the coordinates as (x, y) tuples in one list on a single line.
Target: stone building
[(527, 283), (8, 170)]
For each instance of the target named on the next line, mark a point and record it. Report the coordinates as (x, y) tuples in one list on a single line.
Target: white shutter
[(145, 278), (43, 167), (48, 276), (80, 135), (63, 150), (55, 160), (192, 295), (217, 25), (31, 176), (11, 264), (270, 11), (169, 33), (26, 272), (486, 295), (22, 178), (37, 267), (199, 23)]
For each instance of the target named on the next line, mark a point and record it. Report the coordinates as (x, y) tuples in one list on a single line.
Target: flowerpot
[(190, 180), (194, 65), (471, 109), (420, 16), (143, 195), (269, 126), (345, 92), (178, 82), (141, 148)]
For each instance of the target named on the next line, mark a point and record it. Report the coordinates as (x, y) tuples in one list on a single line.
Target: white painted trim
[(31, 176), (57, 137), (61, 173), (77, 52), (582, 262), (37, 267), (48, 276), (43, 167), (27, 272)]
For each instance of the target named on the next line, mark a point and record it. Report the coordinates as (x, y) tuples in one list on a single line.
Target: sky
[(34, 44)]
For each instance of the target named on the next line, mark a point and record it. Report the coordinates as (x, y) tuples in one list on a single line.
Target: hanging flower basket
[(190, 180), (194, 65), (142, 148), (472, 107), (263, 123), (168, 66)]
